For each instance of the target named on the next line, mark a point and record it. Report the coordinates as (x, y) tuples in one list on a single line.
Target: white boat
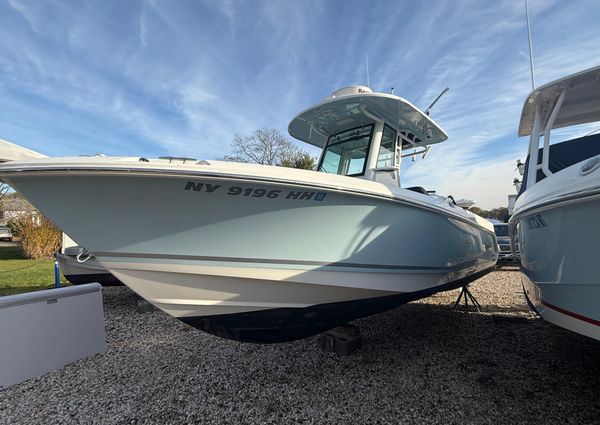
[(556, 213), (11, 152), (80, 267), (266, 254)]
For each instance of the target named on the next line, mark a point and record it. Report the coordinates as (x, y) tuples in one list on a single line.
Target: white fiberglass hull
[(257, 258), (261, 304), (558, 232)]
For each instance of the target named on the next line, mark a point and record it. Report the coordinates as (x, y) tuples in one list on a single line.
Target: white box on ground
[(46, 330)]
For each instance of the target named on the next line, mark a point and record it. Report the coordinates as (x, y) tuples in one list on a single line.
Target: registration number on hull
[(255, 192)]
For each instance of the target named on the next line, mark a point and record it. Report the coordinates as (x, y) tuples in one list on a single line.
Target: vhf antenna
[(368, 79), (436, 99), (530, 49)]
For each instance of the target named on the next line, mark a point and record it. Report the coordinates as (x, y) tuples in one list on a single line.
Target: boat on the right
[(556, 218)]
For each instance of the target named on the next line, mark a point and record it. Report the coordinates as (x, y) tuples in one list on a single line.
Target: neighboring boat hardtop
[(267, 254)]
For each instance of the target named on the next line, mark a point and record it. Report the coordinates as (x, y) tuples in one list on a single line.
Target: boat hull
[(261, 261), (559, 262), (259, 303)]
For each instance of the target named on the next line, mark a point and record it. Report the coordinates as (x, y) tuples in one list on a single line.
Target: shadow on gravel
[(518, 366)]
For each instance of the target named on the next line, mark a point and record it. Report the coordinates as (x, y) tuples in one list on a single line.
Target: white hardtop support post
[(371, 169), (534, 143), (398, 156), (549, 125)]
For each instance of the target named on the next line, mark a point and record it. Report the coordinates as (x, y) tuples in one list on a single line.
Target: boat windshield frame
[(330, 144)]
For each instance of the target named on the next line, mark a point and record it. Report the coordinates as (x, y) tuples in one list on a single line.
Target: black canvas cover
[(565, 154)]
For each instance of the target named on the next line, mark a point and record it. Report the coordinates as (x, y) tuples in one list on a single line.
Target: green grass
[(18, 274)]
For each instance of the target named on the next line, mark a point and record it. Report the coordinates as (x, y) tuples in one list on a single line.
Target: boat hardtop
[(579, 104), (565, 102), (355, 106)]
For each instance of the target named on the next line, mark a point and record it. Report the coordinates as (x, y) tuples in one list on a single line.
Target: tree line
[(500, 213)]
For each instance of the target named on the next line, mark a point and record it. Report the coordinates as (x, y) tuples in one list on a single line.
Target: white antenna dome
[(350, 90)]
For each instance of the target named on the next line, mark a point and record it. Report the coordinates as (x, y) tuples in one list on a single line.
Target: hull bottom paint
[(288, 324)]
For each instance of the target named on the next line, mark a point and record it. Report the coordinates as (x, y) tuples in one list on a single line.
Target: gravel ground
[(420, 363)]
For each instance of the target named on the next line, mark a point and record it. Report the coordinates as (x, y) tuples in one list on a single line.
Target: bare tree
[(265, 146)]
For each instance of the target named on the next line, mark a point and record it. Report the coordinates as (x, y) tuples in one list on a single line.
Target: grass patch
[(18, 274)]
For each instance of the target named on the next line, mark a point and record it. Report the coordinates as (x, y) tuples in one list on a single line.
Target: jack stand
[(342, 340), (467, 295)]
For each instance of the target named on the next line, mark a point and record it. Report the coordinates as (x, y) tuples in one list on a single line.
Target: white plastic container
[(46, 330)]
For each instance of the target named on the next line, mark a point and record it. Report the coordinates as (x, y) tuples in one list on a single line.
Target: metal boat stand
[(467, 295), (342, 340)]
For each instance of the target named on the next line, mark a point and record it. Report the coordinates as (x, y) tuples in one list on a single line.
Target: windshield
[(346, 152), (501, 230)]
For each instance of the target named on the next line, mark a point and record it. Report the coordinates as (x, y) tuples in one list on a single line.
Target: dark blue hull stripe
[(456, 267)]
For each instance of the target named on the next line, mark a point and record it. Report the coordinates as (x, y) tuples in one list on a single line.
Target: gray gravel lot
[(420, 363)]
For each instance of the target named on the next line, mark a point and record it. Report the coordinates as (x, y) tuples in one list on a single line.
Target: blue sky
[(183, 77)]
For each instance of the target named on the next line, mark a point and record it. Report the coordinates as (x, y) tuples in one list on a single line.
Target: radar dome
[(351, 90)]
